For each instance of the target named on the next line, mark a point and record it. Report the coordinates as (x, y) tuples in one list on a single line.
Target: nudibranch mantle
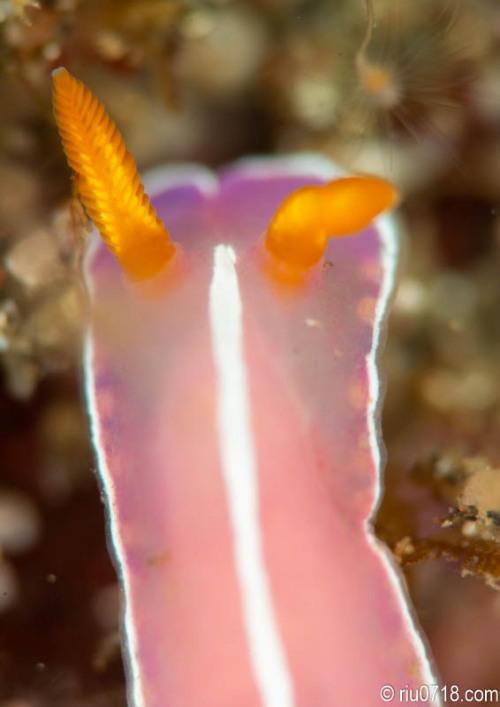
[(236, 426)]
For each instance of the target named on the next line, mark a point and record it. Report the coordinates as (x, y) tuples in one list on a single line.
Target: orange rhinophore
[(299, 232), (108, 182)]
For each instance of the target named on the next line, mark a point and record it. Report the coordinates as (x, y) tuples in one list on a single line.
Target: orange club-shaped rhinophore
[(299, 231)]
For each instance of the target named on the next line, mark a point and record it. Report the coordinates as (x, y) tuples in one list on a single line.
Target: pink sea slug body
[(235, 419)]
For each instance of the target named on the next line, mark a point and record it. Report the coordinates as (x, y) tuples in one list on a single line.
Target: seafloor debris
[(470, 531), (19, 522), (17, 9), (43, 309), (20, 530)]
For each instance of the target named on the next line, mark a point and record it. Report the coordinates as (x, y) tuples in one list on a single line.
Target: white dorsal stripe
[(240, 477)]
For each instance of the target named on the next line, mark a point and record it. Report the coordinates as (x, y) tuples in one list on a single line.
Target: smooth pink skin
[(341, 610)]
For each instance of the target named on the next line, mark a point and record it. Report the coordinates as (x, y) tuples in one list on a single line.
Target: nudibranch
[(236, 427)]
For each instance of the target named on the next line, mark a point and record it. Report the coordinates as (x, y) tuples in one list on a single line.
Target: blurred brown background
[(412, 94)]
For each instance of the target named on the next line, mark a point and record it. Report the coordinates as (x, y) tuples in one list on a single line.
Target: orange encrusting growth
[(299, 232), (107, 180)]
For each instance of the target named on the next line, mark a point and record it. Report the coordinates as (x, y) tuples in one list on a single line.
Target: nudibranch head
[(111, 191), (299, 232), (107, 180)]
